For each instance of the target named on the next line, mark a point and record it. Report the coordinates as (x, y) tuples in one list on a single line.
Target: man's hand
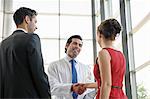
[(78, 88)]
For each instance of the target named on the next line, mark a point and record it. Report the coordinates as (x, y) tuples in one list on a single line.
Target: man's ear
[(27, 19), (66, 45)]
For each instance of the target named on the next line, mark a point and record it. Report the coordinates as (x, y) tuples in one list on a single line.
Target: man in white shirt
[(60, 72)]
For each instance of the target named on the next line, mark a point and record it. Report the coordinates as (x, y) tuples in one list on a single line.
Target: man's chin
[(75, 55)]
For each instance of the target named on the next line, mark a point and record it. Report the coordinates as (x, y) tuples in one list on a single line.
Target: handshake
[(78, 88)]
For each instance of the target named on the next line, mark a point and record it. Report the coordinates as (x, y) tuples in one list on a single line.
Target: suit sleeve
[(39, 77), (0, 74)]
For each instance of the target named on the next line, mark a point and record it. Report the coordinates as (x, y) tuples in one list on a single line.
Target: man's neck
[(22, 29)]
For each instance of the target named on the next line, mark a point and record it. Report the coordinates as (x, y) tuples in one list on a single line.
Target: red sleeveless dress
[(118, 67)]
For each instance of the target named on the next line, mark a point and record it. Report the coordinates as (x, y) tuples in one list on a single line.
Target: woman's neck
[(107, 44)]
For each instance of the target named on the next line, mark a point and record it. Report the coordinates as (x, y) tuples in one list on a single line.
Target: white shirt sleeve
[(58, 87)]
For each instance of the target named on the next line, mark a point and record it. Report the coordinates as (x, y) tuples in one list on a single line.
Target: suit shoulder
[(32, 35)]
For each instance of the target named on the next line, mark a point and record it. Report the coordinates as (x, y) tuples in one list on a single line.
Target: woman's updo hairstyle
[(110, 28)]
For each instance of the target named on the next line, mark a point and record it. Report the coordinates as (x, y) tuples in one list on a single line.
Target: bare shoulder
[(104, 54)]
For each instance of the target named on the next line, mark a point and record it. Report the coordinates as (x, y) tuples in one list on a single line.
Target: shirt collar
[(22, 29), (69, 58)]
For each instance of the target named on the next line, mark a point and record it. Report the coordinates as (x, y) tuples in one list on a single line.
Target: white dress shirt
[(60, 78)]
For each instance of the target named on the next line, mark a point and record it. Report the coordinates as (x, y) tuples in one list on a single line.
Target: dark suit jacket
[(22, 68)]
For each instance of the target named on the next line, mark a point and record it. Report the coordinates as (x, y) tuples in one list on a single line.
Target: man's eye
[(80, 45)]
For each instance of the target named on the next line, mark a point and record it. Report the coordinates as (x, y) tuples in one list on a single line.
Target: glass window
[(50, 50), (118, 42), (1, 5), (140, 9), (46, 68), (141, 45), (86, 54), (81, 25), (62, 47), (42, 6), (108, 7), (81, 7), (143, 86), (115, 8), (97, 13), (97, 6), (98, 21), (1, 23), (48, 26), (0, 39), (9, 25)]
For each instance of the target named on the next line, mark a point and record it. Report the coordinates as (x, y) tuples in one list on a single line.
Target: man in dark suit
[(22, 70)]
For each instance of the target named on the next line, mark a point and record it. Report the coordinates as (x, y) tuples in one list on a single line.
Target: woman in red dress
[(110, 70)]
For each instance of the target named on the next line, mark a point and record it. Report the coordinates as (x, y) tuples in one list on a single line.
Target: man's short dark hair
[(70, 40), (21, 13)]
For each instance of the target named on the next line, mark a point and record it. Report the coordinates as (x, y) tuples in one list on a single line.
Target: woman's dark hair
[(70, 40), (109, 28), (21, 13)]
